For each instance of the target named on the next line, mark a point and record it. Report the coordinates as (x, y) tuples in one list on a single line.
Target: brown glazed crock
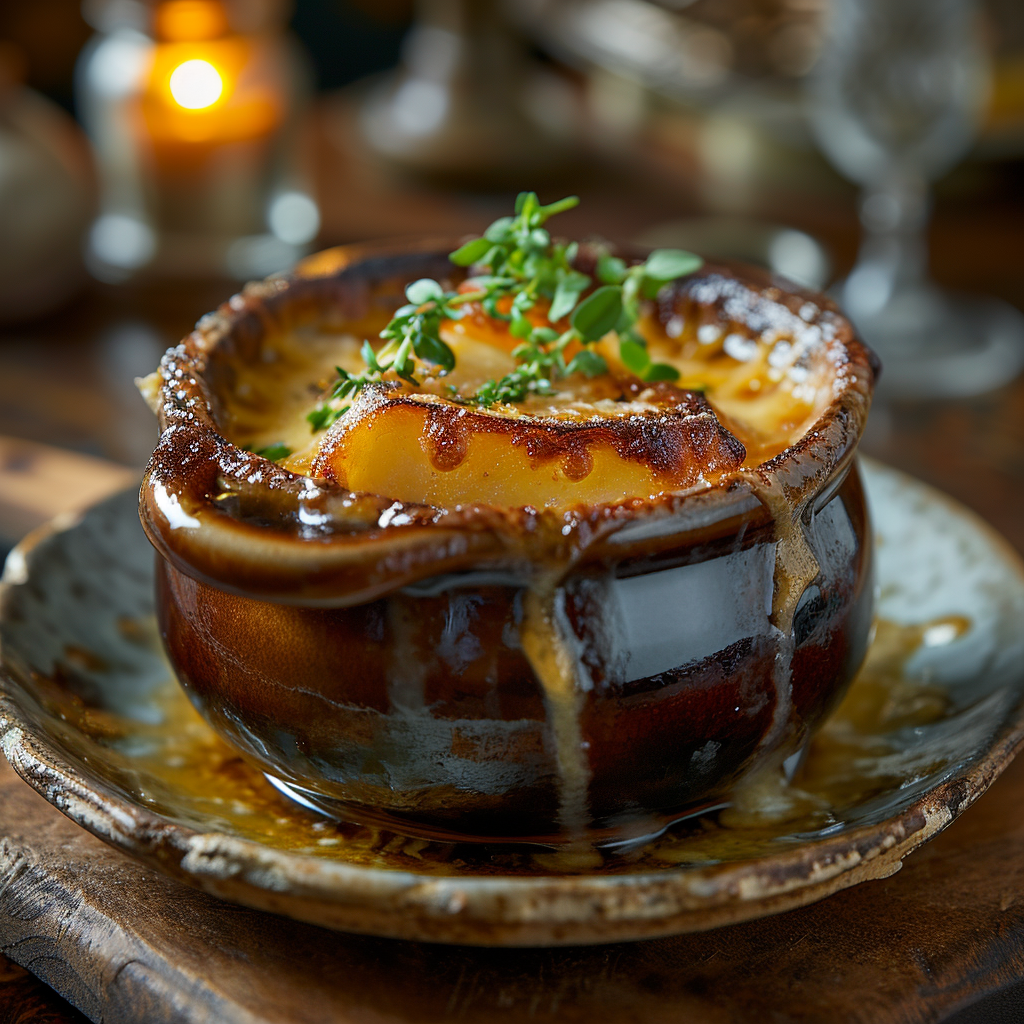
[(366, 654)]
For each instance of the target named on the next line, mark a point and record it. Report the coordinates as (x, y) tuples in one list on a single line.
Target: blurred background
[(154, 154)]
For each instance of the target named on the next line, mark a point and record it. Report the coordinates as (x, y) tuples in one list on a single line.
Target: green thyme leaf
[(567, 294), (433, 350), (661, 371), (544, 335), (423, 290), (403, 360), (587, 362), (274, 451), (524, 300), (649, 287), (499, 230), (610, 269), (634, 356), (598, 313), (470, 253), (521, 202), (321, 417), (520, 327), (370, 358), (668, 264), (630, 296)]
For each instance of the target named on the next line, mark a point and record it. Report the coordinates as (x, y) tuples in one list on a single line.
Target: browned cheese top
[(743, 396)]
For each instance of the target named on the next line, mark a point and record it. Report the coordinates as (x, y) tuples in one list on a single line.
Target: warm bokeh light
[(179, 21), (209, 94), (196, 84)]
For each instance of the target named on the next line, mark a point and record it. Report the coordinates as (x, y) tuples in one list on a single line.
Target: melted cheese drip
[(795, 569), (543, 635)]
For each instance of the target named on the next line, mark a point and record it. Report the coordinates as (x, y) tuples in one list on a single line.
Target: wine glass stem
[(894, 215)]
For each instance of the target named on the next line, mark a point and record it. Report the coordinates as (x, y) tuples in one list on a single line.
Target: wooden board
[(38, 481), (125, 944), (24, 999)]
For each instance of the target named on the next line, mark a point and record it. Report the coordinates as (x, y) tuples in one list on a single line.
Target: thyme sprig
[(517, 261), (412, 333)]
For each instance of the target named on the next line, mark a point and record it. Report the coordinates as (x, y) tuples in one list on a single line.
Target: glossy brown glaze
[(420, 711), (554, 674)]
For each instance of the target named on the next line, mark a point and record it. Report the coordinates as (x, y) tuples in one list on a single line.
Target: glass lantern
[(193, 110)]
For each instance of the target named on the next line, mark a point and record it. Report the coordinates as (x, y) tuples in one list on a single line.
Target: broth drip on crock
[(796, 569), (545, 636)]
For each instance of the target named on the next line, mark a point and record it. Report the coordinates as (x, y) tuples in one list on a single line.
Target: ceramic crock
[(369, 654)]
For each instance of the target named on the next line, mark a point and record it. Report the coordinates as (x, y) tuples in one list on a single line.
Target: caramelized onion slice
[(423, 448)]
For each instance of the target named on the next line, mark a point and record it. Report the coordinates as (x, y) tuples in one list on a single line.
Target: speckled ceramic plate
[(91, 717)]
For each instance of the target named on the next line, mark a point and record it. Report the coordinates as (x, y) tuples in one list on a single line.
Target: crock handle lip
[(281, 565)]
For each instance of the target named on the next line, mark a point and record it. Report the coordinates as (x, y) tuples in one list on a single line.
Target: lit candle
[(200, 149), (207, 86)]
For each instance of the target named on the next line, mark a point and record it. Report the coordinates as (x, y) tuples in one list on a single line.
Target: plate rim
[(576, 909)]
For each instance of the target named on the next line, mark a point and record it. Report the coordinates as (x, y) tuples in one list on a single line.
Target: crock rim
[(294, 539)]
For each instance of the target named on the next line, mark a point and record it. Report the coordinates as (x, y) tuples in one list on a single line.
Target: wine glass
[(894, 103)]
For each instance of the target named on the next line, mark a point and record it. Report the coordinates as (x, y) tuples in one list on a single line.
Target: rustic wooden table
[(945, 932)]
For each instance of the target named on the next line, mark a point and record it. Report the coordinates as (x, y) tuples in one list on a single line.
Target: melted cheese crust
[(759, 388)]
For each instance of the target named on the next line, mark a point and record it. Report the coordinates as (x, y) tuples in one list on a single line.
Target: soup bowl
[(559, 674)]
